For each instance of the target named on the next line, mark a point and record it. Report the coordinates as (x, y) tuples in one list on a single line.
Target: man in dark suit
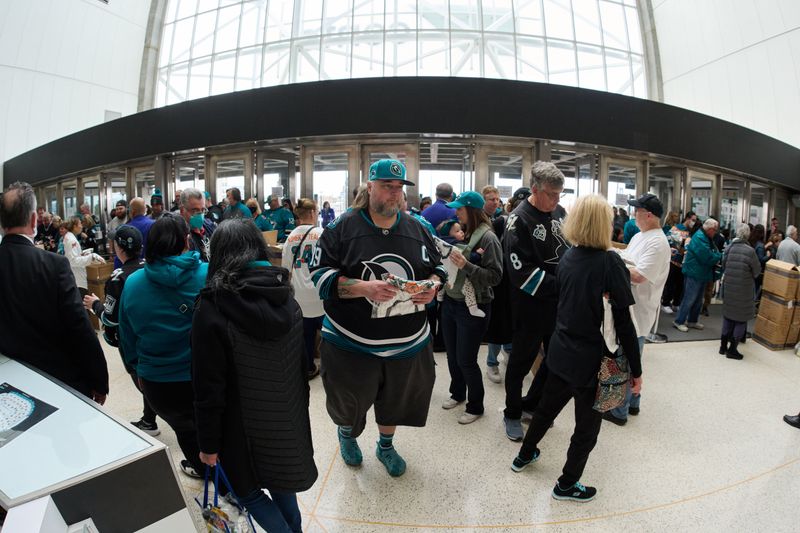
[(37, 294)]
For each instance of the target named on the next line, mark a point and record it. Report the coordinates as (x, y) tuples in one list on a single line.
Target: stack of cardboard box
[(96, 276), (778, 321)]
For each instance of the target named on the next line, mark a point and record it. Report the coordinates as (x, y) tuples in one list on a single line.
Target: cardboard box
[(99, 271), (769, 334), (781, 279), (776, 309), (271, 237), (794, 336), (618, 245)]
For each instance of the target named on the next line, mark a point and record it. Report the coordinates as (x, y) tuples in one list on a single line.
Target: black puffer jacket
[(250, 383)]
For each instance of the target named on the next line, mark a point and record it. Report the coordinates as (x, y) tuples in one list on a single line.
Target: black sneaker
[(314, 372), (519, 464), (147, 427), (633, 411), (613, 419), (575, 493), (188, 469)]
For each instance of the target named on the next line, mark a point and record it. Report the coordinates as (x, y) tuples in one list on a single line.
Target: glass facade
[(217, 46)]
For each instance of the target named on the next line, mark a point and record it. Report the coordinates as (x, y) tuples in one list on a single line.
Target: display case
[(62, 454)]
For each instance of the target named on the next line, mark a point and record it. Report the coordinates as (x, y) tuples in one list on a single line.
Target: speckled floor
[(709, 452)]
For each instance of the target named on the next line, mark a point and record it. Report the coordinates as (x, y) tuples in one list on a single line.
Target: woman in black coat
[(586, 273), (249, 378)]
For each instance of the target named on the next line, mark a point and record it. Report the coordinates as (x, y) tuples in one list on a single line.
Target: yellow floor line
[(325, 481), (555, 522)]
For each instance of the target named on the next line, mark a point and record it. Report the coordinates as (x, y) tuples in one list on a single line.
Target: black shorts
[(400, 389)]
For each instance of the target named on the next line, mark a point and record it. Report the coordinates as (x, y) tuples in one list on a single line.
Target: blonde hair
[(361, 201), (489, 189), (672, 219), (251, 203), (590, 223), (71, 222), (304, 207), (88, 221)]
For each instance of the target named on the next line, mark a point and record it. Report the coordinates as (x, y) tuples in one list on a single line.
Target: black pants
[(174, 403), (435, 322), (525, 344), (462, 334), (148, 415), (557, 393), (673, 288)]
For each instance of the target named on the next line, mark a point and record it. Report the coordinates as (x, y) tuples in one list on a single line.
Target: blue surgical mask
[(196, 221)]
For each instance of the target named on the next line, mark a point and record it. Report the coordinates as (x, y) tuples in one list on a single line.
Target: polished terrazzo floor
[(709, 452)]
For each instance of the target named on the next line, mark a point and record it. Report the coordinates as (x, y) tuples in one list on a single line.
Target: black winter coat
[(250, 383)]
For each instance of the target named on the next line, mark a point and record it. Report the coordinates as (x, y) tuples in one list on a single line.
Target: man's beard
[(384, 210)]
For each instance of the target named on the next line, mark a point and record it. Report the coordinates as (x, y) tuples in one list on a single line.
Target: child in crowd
[(455, 234)]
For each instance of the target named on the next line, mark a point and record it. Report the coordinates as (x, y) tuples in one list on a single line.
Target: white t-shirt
[(304, 290), (649, 251)]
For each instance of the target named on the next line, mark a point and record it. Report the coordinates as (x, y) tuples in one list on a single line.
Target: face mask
[(196, 221), (690, 224), (252, 210)]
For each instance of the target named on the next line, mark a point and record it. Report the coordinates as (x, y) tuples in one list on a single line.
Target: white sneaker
[(468, 418), (695, 325), (493, 373), (680, 327), (667, 309), (450, 403)]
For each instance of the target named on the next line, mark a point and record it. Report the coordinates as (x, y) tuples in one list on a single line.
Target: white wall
[(738, 60), (63, 63)]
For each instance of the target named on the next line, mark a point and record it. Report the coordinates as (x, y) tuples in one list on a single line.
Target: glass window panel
[(252, 31), (230, 174), (207, 5), (434, 57), (224, 70), (402, 14), (505, 170), (335, 62), (70, 203), (432, 15), (145, 184), (276, 65), (531, 63), (176, 83), (639, 81), (634, 33), (401, 54), (367, 55), (182, 40), (621, 186), (279, 20), (203, 42), (561, 63), (614, 31), (310, 17), (161, 88), (465, 51), (591, 72), (172, 10), (618, 72), (227, 28), (199, 78), (248, 68), (499, 58), (305, 58), (465, 15), (223, 3), (166, 45), (329, 180), (587, 21), (498, 15), (558, 18), (338, 17), (187, 8), (529, 17), (368, 15)]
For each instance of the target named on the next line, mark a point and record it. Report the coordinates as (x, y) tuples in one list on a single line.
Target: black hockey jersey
[(353, 247), (108, 312)]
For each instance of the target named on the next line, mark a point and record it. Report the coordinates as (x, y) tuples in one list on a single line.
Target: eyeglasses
[(202, 211)]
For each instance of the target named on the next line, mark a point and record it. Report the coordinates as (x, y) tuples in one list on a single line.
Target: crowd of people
[(222, 343)]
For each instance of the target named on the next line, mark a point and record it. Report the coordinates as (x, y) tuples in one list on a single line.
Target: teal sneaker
[(350, 451), (519, 464), (394, 464)]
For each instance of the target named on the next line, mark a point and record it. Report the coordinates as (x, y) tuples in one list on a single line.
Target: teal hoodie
[(156, 310)]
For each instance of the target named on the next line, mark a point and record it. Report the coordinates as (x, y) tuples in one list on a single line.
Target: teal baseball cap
[(388, 169), (467, 199)]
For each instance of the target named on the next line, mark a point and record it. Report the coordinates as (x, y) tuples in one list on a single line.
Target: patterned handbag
[(612, 383)]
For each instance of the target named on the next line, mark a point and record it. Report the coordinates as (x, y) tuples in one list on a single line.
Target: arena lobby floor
[(709, 452)]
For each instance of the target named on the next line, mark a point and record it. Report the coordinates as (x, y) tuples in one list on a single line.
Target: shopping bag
[(223, 520)]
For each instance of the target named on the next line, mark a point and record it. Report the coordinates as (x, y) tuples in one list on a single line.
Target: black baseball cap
[(128, 238), (122, 203), (650, 202), (521, 193)]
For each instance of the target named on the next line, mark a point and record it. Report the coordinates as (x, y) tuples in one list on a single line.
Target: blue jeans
[(494, 350), (630, 399), (692, 302), (279, 514)]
